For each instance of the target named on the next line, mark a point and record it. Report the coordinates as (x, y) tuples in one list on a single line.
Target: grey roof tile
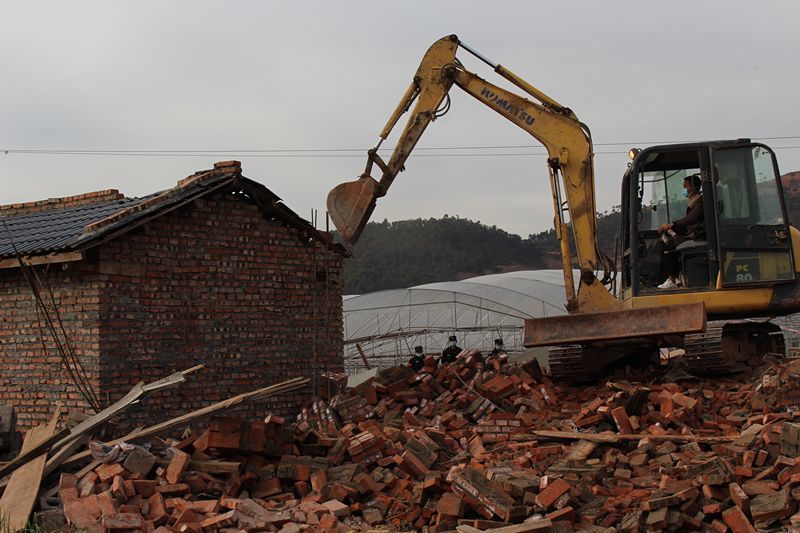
[(54, 229)]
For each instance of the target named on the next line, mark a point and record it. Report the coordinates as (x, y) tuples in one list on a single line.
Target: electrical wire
[(311, 156), (341, 152)]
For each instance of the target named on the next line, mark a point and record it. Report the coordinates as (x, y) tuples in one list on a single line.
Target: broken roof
[(108, 214)]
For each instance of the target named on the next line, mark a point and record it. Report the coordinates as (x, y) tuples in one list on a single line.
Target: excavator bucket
[(350, 205), (610, 326)]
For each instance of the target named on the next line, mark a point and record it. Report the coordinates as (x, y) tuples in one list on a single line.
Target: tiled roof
[(80, 227), (55, 229)]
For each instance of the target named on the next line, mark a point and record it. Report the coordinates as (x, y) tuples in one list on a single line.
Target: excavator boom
[(571, 173)]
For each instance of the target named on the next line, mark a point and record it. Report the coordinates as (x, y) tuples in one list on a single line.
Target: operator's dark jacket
[(692, 225)]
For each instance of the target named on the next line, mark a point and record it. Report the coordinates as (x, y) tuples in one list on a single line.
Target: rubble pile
[(474, 445)]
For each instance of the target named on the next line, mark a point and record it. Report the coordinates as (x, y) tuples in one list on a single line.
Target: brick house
[(215, 271)]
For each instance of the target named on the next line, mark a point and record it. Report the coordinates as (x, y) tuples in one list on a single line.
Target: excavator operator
[(686, 232)]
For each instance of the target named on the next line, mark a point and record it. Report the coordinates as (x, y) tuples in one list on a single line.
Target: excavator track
[(732, 346), (725, 347), (566, 364), (704, 351)]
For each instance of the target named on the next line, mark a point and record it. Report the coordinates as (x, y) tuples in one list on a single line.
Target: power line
[(312, 153), (308, 156)]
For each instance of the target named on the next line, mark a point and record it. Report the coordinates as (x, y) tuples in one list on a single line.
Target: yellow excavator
[(745, 269)]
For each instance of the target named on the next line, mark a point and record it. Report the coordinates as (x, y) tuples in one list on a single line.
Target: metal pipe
[(477, 54), (405, 102)]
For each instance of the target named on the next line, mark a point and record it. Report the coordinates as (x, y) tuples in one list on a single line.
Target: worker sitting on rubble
[(498, 351), (683, 233), (450, 353), (417, 360)]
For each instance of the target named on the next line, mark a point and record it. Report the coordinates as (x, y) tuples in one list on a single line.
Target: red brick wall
[(30, 378), (211, 283)]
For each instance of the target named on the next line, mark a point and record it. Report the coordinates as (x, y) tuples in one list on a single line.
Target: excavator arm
[(570, 167), (567, 142)]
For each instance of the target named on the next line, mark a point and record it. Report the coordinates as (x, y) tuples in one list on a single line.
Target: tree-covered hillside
[(410, 252)]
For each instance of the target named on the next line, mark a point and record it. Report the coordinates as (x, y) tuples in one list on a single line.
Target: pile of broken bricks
[(471, 446)]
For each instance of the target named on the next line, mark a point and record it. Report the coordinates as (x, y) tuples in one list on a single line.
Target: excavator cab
[(745, 238)]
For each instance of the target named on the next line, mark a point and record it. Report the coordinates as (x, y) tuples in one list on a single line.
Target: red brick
[(267, 488), (174, 489), (117, 490), (253, 436), (186, 516), (318, 479), (551, 493), (124, 521), (107, 503), (739, 497), (621, 420), (226, 502), (67, 481), (145, 487), (684, 401), (328, 522), (86, 484), (718, 525), (177, 466), (336, 507), (83, 513), (219, 521), (106, 472), (737, 521), (450, 504), (157, 510), (204, 506), (565, 514), (68, 494)]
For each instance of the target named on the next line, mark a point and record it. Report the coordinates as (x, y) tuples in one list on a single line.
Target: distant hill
[(791, 196), (399, 254), (411, 252)]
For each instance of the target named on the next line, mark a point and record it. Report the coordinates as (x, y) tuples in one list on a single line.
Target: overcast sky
[(325, 75)]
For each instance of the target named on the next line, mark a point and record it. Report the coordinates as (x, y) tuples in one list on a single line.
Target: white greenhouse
[(386, 325)]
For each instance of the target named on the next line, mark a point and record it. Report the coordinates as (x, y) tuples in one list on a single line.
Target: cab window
[(663, 199), (747, 187), (753, 235)]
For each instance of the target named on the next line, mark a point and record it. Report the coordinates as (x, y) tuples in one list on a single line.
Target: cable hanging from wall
[(47, 310)]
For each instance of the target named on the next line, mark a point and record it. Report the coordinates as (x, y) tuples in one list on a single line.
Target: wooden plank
[(363, 356), (188, 418), (20, 495), (88, 468), (580, 451), (80, 434), (32, 453), (65, 257), (209, 467), (611, 438)]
